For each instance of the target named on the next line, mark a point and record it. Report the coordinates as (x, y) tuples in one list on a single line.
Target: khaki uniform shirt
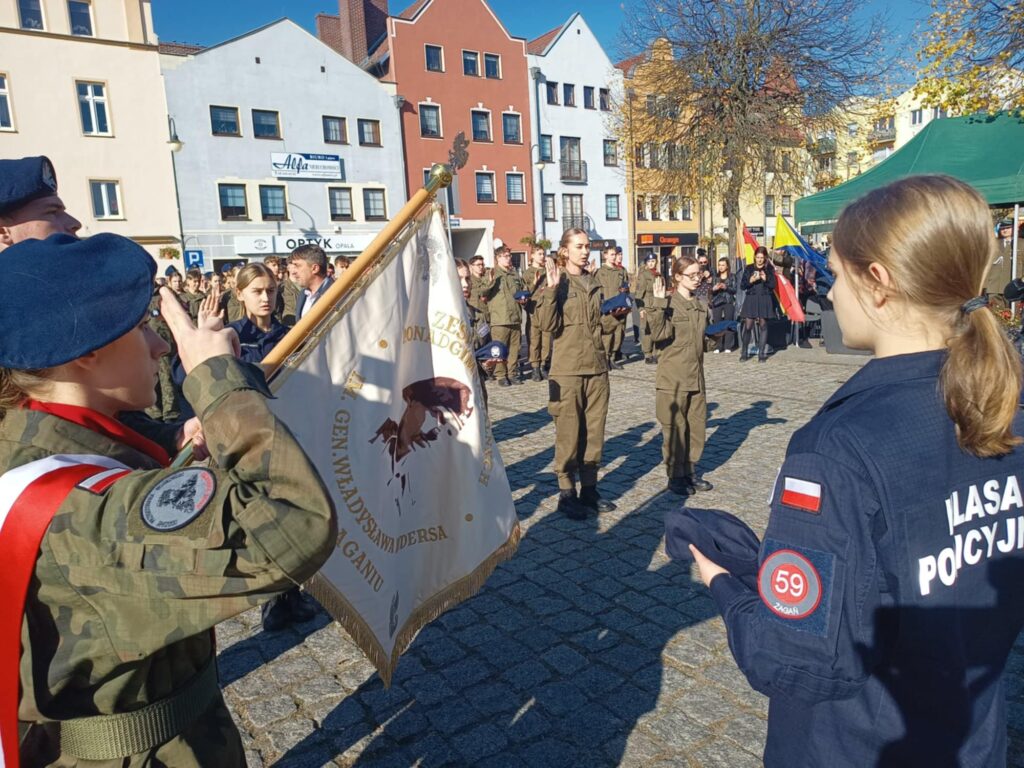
[(477, 297), (530, 284), (118, 615), (645, 287), (611, 280), (571, 312), (501, 303), (677, 325)]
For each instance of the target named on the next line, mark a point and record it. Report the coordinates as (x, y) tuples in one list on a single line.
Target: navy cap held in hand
[(495, 350), (64, 297), (616, 303), (24, 180), (722, 538)]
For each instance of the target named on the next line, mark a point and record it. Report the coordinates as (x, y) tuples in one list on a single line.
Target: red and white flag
[(802, 494)]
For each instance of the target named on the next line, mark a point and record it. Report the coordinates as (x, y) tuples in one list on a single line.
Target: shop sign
[(299, 165)]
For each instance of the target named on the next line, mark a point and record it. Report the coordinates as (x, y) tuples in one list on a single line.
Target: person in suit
[(308, 268)]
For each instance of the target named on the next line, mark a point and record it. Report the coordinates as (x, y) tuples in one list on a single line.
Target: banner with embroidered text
[(388, 404)]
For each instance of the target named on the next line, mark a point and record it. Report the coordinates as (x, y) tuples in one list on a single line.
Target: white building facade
[(283, 142), (574, 90)]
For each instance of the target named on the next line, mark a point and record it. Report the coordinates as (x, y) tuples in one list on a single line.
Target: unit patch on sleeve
[(178, 499), (795, 584), (801, 494)]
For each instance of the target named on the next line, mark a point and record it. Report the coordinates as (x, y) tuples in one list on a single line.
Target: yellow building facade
[(80, 83)]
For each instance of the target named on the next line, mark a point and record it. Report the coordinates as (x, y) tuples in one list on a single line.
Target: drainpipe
[(537, 77)]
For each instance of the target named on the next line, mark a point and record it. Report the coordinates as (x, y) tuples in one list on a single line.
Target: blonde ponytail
[(933, 234)]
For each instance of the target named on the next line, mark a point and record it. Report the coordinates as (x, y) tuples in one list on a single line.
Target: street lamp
[(176, 144)]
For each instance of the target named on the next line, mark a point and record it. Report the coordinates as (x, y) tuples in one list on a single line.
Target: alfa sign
[(298, 165)]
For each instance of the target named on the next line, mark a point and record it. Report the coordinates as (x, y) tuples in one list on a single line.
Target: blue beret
[(721, 327), (621, 301), (24, 180), (722, 538), (207, 275), (65, 297), (225, 269), (495, 350), (521, 295), (171, 271)]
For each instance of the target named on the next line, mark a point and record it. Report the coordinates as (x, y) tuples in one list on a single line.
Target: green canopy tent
[(985, 151)]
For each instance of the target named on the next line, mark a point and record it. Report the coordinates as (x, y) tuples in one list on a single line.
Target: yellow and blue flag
[(789, 240)]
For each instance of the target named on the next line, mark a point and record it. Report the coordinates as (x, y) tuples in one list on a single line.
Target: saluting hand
[(210, 307), (659, 288), (551, 272), (196, 344)]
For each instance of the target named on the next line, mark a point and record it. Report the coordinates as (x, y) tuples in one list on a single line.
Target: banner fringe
[(342, 611)]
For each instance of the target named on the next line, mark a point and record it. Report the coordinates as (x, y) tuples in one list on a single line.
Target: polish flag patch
[(802, 494)]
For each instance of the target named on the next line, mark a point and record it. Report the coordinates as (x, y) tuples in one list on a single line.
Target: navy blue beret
[(24, 180), (721, 327), (521, 295), (207, 275), (495, 350), (722, 538), (171, 271), (65, 297), (621, 301), (225, 269)]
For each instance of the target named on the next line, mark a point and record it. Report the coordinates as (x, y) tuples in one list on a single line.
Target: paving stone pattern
[(590, 647)]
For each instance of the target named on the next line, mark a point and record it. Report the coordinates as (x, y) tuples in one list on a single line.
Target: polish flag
[(802, 495)]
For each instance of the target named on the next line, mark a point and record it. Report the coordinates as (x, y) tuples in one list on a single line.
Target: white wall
[(577, 57), (303, 80)]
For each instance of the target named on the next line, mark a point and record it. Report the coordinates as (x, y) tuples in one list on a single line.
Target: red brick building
[(457, 69)]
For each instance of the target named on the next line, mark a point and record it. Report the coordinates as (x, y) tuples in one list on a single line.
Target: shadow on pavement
[(732, 431), (551, 664)]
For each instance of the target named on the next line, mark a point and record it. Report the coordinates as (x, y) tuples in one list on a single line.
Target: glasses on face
[(691, 275)]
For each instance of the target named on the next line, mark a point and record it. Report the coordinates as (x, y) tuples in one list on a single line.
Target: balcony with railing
[(824, 146), (579, 221), (882, 134), (573, 171)]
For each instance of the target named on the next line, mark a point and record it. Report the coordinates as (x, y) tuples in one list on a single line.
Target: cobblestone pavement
[(590, 647)]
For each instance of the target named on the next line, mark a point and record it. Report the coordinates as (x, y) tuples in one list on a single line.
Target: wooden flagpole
[(440, 178)]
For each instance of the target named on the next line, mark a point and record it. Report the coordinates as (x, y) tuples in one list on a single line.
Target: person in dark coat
[(758, 282), (723, 303)]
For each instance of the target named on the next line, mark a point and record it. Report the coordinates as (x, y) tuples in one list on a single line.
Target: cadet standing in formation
[(889, 580), (677, 324), (125, 565), (613, 281), (569, 307), (538, 341), (644, 295), (478, 285), (504, 297), (29, 204)]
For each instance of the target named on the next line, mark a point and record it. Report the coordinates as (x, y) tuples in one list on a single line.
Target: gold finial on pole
[(440, 177)]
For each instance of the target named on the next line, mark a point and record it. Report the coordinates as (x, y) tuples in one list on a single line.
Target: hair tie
[(971, 305)]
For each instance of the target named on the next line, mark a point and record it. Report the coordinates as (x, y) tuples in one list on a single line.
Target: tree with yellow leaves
[(972, 55)]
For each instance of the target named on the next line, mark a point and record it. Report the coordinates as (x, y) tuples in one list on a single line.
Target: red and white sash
[(29, 497)]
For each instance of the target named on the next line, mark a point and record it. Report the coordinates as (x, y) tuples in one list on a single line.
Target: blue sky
[(206, 22)]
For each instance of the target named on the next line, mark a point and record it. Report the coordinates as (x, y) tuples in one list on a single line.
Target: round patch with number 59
[(789, 584)]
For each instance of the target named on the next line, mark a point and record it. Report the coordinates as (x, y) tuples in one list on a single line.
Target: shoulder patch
[(801, 494), (178, 499), (795, 584)]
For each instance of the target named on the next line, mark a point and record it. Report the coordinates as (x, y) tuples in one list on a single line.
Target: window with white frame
[(611, 152), (492, 66), (787, 205), (272, 203), (481, 122), (686, 211), (511, 128), (374, 208), (673, 208), (6, 113), (471, 63), (340, 201), (92, 105), (916, 116), (611, 207), (80, 16), (544, 148), (549, 207), (430, 121), (335, 130), (515, 190), (369, 133), (485, 187), (435, 58), (569, 94), (769, 205), (106, 199), (552, 92), (588, 97), (605, 97), (233, 204), (939, 112), (30, 13)]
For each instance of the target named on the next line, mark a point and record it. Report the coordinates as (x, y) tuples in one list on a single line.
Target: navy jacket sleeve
[(806, 633)]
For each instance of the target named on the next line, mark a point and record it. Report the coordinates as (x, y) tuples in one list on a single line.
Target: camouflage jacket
[(118, 613), (571, 312)]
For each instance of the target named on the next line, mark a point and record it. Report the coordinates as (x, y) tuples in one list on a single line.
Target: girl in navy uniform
[(888, 594)]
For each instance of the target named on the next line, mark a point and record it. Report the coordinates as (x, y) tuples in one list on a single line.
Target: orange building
[(456, 68)]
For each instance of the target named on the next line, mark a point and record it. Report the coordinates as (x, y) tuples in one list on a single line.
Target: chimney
[(361, 23), (330, 31)]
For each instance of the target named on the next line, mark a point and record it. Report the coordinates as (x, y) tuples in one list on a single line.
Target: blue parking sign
[(193, 259)]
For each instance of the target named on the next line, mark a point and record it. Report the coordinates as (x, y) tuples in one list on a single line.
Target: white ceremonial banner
[(388, 403)]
